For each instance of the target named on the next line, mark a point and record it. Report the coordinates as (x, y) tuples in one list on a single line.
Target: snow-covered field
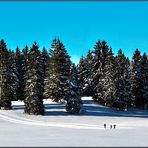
[(58, 128)]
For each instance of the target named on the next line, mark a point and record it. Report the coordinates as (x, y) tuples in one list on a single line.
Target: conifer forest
[(32, 74)]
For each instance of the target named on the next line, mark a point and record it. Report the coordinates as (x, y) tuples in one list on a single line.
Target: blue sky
[(78, 24)]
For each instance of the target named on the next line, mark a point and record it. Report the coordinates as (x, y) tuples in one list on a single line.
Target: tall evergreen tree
[(122, 80), (89, 74), (13, 76), (5, 83), (74, 73), (34, 88), (96, 71), (136, 84), (73, 99), (58, 71), (82, 75), (100, 61), (24, 57), (144, 79), (18, 63), (108, 79), (45, 61)]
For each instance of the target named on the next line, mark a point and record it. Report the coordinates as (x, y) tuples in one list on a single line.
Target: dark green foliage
[(85, 71), (144, 79), (108, 79), (73, 100), (13, 76), (101, 54), (136, 82), (6, 88), (33, 76), (34, 86), (18, 72), (24, 57), (122, 95), (58, 71), (74, 73), (45, 61), (82, 75)]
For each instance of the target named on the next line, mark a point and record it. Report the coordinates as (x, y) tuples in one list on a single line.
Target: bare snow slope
[(58, 128)]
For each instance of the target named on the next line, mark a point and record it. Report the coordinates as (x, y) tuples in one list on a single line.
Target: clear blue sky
[(78, 24)]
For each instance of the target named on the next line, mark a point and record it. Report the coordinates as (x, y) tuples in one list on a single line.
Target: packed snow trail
[(15, 119), (90, 108)]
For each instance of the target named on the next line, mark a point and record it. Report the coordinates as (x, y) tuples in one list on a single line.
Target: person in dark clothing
[(114, 126), (111, 126), (105, 126)]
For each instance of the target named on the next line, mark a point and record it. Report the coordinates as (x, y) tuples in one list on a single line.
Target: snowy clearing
[(58, 128)]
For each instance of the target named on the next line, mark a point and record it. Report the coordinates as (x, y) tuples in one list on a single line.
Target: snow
[(58, 128)]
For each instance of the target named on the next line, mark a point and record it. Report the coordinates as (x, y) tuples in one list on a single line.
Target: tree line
[(33, 74), (114, 81)]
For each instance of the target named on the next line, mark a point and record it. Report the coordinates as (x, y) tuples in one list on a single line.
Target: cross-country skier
[(104, 125)]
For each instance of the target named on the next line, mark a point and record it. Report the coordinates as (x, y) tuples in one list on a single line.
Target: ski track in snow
[(16, 119), (8, 116)]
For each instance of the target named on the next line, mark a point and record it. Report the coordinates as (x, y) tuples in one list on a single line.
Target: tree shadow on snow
[(89, 108), (18, 107)]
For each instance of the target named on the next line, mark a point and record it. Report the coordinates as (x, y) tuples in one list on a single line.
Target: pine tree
[(122, 94), (5, 83), (18, 63), (144, 79), (34, 88), (24, 57), (13, 76), (58, 71), (100, 61), (127, 76), (82, 75), (74, 73), (45, 61), (108, 79), (89, 74), (136, 84), (73, 99), (95, 85)]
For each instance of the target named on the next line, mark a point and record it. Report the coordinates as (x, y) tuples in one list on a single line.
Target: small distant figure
[(114, 126), (105, 126), (111, 126)]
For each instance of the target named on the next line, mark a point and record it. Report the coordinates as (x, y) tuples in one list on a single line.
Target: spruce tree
[(45, 61), (19, 66), (74, 73), (89, 74), (5, 79), (34, 88), (122, 94), (73, 99), (13, 76), (100, 61), (108, 79), (136, 82), (24, 57), (58, 71), (95, 85), (144, 79), (82, 75)]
